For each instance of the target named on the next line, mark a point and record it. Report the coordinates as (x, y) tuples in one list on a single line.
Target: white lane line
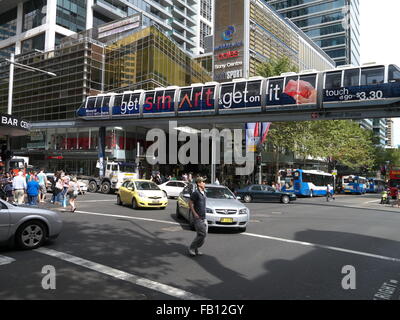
[(121, 275), (127, 217), (309, 244), (262, 236), (5, 260)]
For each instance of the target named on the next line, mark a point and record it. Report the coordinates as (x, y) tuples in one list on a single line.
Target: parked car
[(140, 193), (264, 193), (50, 179), (27, 227), (173, 188), (223, 209)]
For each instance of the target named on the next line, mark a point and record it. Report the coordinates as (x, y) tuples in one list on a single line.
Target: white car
[(173, 188)]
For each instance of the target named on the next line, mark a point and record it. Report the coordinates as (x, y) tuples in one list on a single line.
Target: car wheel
[(92, 187), (247, 198), (106, 187), (31, 235), (285, 199), (119, 202), (134, 204)]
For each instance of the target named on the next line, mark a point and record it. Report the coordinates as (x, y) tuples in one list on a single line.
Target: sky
[(380, 41)]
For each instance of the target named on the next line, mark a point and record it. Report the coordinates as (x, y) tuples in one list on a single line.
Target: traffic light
[(258, 160)]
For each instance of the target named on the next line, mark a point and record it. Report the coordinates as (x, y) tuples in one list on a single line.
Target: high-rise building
[(41, 24), (332, 24), (390, 133)]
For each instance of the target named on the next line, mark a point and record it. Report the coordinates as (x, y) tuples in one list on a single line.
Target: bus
[(354, 184), (394, 182), (312, 183), (376, 185)]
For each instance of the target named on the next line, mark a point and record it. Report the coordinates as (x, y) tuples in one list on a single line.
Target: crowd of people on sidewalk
[(31, 188)]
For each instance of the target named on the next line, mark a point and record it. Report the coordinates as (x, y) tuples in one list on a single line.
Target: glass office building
[(332, 24), (40, 24)]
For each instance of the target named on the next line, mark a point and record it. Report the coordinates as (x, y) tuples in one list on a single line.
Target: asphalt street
[(298, 251)]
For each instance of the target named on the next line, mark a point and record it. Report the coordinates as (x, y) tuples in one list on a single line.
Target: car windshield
[(219, 193), (146, 185), (127, 168)]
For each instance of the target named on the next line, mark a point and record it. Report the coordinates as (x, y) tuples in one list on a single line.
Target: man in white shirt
[(19, 187), (43, 185)]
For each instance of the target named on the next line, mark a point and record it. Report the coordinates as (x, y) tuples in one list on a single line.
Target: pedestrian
[(217, 181), (329, 193), (19, 187), (32, 190), (197, 206), (384, 197), (73, 192), (65, 181), (56, 187), (273, 185), (8, 187), (43, 185)]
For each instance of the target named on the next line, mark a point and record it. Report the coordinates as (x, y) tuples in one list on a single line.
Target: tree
[(276, 66)]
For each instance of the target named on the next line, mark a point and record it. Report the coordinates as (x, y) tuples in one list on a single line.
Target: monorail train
[(346, 86)]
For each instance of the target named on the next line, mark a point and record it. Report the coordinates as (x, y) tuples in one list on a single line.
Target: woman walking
[(73, 192)]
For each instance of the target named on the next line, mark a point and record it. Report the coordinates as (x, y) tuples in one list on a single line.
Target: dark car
[(261, 193)]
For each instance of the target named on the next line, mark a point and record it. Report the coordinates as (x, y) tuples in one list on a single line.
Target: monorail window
[(371, 76), (185, 92), (126, 98), (351, 77), (117, 100), (333, 80), (106, 101), (254, 88), (99, 101), (310, 79), (90, 103), (394, 73), (240, 86)]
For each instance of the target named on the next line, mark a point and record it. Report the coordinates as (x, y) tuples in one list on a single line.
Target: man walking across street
[(19, 187), (197, 205), (43, 185)]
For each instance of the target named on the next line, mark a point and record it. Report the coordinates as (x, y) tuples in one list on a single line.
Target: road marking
[(128, 217), (309, 244), (320, 246), (372, 201), (122, 275), (5, 260)]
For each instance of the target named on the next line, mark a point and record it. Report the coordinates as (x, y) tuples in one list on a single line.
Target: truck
[(394, 182), (115, 175), (16, 164)]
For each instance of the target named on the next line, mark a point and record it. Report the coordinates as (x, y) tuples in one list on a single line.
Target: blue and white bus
[(376, 185), (354, 184), (312, 183)]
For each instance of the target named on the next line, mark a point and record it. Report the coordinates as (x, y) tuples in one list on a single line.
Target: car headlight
[(142, 195), (243, 211), (208, 210)]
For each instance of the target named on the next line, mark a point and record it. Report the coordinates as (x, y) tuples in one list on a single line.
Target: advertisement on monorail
[(240, 96), (126, 104), (360, 93), (292, 91), (159, 102), (196, 99)]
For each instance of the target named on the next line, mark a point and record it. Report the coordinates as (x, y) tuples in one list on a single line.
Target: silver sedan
[(27, 227), (223, 208)]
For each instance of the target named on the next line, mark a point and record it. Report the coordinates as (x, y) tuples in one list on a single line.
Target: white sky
[(380, 41)]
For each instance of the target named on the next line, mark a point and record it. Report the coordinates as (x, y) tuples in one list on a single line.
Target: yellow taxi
[(140, 193)]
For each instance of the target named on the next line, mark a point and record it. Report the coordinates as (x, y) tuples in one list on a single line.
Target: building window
[(34, 14), (33, 43), (206, 9), (205, 30), (8, 24), (71, 14)]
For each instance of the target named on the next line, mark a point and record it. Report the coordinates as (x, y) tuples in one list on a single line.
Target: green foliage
[(276, 66)]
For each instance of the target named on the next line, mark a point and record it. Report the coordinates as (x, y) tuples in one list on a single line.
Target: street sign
[(334, 172)]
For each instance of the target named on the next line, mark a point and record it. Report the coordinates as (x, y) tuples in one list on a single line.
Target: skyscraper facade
[(41, 24), (332, 24)]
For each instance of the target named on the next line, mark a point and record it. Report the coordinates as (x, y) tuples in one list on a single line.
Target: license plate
[(155, 202), (226, 220)]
